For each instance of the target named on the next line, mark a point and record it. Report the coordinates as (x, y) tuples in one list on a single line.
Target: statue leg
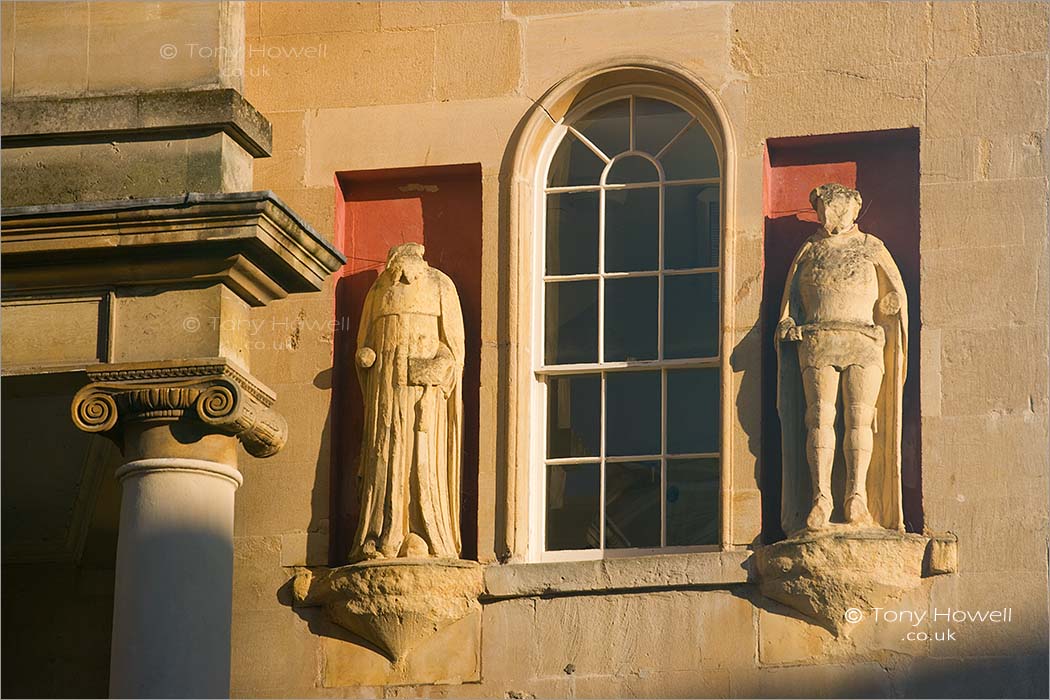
[(860, 391), (821, 388)]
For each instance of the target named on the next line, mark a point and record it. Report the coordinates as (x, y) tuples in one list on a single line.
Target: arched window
[(628, 357)]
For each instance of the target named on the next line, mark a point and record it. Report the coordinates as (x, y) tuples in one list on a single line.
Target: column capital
[(212, 390)]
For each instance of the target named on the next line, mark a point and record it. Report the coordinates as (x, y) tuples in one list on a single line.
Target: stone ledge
[(617, 574), (250, 241), (49, 120)]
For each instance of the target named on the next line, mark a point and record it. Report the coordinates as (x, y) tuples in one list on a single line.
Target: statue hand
[(890, 304), (788, 331), (429, 371), (366, 357)]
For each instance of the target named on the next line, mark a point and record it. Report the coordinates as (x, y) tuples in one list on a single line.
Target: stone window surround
[(536, 476), (515, 537)]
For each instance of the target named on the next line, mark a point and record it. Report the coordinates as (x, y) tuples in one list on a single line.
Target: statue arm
[(365, 356), (445, 368), (893, 298), (790, 309)]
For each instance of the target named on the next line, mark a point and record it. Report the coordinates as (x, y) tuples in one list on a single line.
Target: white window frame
[(538, 400)]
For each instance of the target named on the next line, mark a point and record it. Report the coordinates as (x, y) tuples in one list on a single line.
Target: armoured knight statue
[(841, 341)]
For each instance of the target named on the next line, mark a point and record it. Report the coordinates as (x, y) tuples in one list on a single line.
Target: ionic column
[(178, 424)]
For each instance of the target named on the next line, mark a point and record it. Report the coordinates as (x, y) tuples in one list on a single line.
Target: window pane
[(632, 233), (691, 156), (607, 127), (572, 506), (632, 504), (572, 233), (693, 410), (692, 228), (692, 502), (574, 415), (691, 316), (631, 309), (632, 169), (571, 322), (655, 123), (632, 413), (574, 164)]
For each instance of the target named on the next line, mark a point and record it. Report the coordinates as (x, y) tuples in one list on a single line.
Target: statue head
[(405, 262), (837, 207)]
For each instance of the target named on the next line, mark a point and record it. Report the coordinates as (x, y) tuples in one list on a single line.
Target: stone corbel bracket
[(395, 604), (830, 575), (213, 391)]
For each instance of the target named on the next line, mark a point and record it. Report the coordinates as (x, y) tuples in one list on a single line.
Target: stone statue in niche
[(410, 349), (842, 347)]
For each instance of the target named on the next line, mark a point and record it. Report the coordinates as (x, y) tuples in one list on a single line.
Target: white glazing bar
[(587, 142), (672, 142), (663, 459), (555, 461), (630, 122), (569, 189), (601, 467), (601, 274), (691, 271), (583, 368), (631, 273)]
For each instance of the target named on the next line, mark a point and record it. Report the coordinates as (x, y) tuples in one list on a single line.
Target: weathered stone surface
[(835, 577), (763, 41), (121, 169), (412, 15), (1013, 27), (450, 657), (528, 8), (659, 571), (283, 18), (257, 573), (877, 97), (298, 71), (397, 604), (691, 35), (368, 138), (963, 215), (463, 48)]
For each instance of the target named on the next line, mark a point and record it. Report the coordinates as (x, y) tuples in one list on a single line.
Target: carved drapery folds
[(212, 391)]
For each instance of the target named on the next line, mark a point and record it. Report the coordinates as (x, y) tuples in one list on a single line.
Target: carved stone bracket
[(211, 390), (396, 604), (837, 576)]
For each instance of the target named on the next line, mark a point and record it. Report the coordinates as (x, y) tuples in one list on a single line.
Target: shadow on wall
[(884, 167)]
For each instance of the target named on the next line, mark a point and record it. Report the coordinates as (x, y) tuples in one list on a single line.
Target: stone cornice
[(250, 241), (162, 114), (211, 390)]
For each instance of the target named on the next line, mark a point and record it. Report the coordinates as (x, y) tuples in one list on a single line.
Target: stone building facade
[(196, 197)]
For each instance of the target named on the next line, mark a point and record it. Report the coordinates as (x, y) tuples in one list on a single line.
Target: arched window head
[(628, 370)]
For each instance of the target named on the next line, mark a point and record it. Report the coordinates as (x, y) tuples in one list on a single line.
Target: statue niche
[(842, 346), (405, 582)]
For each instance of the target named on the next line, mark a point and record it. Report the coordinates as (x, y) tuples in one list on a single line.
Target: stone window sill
[(660, 571)]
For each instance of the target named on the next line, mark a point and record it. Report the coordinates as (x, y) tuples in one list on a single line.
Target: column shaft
[(174, 573)]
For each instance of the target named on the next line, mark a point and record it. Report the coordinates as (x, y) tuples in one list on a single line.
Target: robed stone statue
[(842, 344), (410, 366)]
